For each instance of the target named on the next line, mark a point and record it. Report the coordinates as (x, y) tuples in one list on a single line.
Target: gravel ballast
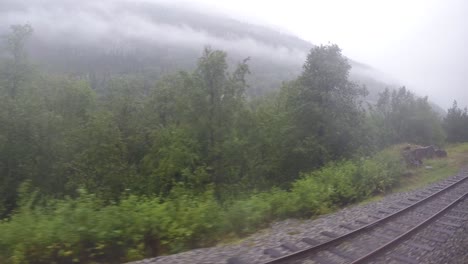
[(292, 231)]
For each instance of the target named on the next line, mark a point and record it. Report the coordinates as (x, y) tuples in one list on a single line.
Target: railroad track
[(416, 225)]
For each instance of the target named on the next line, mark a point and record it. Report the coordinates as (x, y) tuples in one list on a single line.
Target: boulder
[(440, 153), (415, 156), (423, 152)]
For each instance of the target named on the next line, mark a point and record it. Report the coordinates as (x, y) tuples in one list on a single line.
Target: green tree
[(195, 120), (325, 108), (456, 124), (99, 163), (16, 68), (21, 116), (219, 105), (400, 116)]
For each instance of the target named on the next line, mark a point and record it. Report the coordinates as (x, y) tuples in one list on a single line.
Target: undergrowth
[(86, 231)]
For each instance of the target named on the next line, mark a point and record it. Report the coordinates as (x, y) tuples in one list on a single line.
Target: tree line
[(196, 130)]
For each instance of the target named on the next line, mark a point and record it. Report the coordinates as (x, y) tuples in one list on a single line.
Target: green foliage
[(400, 116), (99, 161), (346, 182), (85, 230), (456, 124), (16, 69), (324, 106), (174, 158), (176, 164)]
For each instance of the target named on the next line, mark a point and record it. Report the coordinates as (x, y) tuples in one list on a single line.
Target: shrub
[(85, 230)]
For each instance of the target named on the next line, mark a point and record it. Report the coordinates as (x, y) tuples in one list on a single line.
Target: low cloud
[(104, 24)]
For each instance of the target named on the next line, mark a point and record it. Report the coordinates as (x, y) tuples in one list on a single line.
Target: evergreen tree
[(325, 108), (400, 116), (456, 124)]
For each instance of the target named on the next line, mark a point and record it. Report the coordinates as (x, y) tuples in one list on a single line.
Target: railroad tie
[(342, 254), (384, 211), (235, 260), (402, 223), (460, 211), (392, 229), (419, 245), (434, 239), (449, 224), (272, 252), (453, 217), (323, 260), (404, 259), (374, 216), (443, 230), (384, 236), (423, 213), (404, 204), (329, 234), (310, 241), (359, 221), (450, 182), (290, 246), (347, 226)]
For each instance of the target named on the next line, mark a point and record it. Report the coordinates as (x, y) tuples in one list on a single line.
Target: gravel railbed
[(251, 249), (452, 247), (455, 250)]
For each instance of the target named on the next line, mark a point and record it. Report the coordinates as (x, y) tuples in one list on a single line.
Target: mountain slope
[(104, 39)]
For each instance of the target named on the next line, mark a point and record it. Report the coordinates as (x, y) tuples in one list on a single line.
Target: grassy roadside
[(437, 170)]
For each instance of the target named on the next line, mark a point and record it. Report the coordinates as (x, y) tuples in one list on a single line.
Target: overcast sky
[(421, 43)]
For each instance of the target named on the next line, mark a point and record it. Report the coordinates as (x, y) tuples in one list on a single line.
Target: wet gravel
[(455, 249), (251, 249)]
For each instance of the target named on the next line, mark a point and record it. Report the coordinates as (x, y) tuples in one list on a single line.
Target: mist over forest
[(102, 39)]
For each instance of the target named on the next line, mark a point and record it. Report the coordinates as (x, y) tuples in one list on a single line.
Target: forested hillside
[(154, 39), (145, 167)]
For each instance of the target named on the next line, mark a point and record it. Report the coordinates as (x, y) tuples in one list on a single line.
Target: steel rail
[(299, 254), (408, 233)]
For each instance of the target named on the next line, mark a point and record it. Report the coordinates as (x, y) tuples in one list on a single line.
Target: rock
[(414, 157), (423, 153), (440, 153)]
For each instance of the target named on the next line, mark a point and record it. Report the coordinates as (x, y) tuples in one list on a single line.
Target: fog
[(421, 44), (124, 23)]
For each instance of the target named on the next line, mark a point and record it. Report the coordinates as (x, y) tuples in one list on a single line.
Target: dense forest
[(138, 168)]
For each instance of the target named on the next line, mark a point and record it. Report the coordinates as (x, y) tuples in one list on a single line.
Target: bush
[(339, 184), (82, 230), (85, 230)]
